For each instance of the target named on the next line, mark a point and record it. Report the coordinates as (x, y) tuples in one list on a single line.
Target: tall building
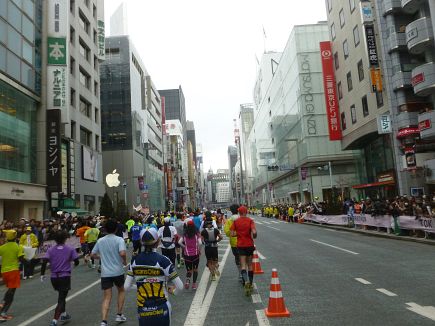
[(22, 118), (132, 126), (291, 158), (407, 53), (72, 154), (232, 160), (200, 178), (191, 151), (246, 122)]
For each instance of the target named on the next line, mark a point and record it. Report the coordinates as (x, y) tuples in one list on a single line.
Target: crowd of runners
[(144, 253)]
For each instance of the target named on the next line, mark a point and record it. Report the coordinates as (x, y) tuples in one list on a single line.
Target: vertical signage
[(371, 45), (332, 109), (54, 166), (376, 78), (384, 124), (366, 12), (101, 30)]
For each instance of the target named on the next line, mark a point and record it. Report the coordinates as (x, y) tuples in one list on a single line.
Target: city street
[(328, 278)]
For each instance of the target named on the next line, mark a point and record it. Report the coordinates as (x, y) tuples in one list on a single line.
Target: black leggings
[(170, 253), (61, 304)]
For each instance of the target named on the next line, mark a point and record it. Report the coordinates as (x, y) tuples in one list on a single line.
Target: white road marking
[(265, 222), (425, 311), (331, 230), (271, 227), (256, 298), (261, 318), (44, 312), (257, 222), (254, 286), (363, 281), (386, 292), (260, 255), (326, 244), (201, 301), (276, 222)]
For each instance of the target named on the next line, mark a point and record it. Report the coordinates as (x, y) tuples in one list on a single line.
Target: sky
[(210, 49)]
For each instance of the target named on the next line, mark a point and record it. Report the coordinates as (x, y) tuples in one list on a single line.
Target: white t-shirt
[(167, 242)]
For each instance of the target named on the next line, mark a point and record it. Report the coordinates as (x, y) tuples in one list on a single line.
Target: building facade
[(22, 175), (289, 155), (232, 160), (132, 136)]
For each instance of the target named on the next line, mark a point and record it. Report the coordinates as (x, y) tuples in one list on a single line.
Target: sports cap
[(149, 236)]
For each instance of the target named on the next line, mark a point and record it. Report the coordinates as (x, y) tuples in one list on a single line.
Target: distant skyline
[(209, 48)]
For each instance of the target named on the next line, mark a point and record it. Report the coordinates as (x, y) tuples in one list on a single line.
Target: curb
[(374, 233)]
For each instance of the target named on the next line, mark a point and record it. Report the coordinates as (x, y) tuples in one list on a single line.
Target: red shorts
[(12, 279)]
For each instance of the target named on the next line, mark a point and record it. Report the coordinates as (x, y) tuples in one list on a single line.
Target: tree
[(106, 208), (121, 211)]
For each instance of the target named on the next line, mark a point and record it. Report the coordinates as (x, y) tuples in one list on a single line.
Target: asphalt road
[(327, 277)]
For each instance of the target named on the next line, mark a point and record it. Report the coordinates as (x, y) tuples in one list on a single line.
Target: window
[(72, 35), (85, 107), (340, 90), (95, 88), (336, 63), (345, 49), (343, 121), (349, 81), (95, 37), (379, 99), (333, 35), (94, 11), (365, 106), (356, 35), (73, 129), (329, 5), (97, 115), (353, 113), (72, 6), (360, 70), (97, 142), (84, 50), (95, 63), (84, 23), (342, 21), (72, 66), (85, 136), (352, 5), (84, 78), (113, 53), (72, 97)]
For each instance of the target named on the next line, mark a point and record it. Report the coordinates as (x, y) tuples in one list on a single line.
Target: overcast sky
[(209, 48)]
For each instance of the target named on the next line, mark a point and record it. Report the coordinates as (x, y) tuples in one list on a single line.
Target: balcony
[(397, 41), (419, 35), (401, 79), (412, 6), (391, 6), (405, 119), (423, 79), (426, 124)]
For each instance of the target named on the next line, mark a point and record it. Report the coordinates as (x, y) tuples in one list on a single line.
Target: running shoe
[(53, 323), (64, 318), (178, 265), (217, 272), (90, 263), (5, 318), (120, 318), (30, 276), (194, 286), (187, 284), (93, 266), (103, 323), (248, 289), (213, 277)]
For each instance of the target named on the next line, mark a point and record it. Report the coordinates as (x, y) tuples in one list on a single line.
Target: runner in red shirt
[(244, 229)]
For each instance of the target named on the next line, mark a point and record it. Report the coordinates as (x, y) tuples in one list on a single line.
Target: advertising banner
[(366, 12), (54, 172), (57, 13), (371, 45), (332, 108), (73, 242), (384, 124), (89, 164), (57, 90), (376, 78)]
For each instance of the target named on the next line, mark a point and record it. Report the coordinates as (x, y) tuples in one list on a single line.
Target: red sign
[(405, 132), (417, 79), (425, 124), (332, 109)]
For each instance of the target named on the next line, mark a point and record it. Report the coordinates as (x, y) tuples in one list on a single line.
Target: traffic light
[(272, 168)]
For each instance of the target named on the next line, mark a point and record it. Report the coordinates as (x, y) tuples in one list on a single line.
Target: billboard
[(89, 164), (332, 109), (54, 164)]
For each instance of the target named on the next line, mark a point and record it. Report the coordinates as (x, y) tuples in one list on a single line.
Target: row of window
[(351, 7), (356, 40), (84, 106), (85, 136), (365, 109), (84, 77), (84, 49)]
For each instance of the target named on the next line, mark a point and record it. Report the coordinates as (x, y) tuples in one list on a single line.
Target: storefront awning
[(374, 184)]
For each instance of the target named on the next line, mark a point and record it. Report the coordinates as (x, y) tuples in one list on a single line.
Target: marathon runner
[(191, 242), (168, 234), (179, 226), (211, 237), (233, 239), (91, 236)]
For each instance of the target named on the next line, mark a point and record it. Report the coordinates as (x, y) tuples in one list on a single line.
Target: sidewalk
[(374, 233)]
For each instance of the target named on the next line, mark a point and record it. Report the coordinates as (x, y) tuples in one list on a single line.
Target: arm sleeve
[(180, 241), (178, 284)]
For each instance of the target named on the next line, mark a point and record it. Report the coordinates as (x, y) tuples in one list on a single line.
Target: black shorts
[(108, 282), (211, 253), (245, 251), (61, 283), (235, 251)]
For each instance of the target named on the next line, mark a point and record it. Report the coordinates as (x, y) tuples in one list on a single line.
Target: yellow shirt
[(10, 253)]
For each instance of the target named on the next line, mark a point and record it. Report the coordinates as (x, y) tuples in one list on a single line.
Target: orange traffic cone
[(276, 307), (256, 266)]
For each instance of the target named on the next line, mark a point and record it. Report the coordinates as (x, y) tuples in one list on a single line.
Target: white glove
[(43, 278)]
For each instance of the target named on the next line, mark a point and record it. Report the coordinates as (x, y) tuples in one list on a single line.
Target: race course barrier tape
[(386, 221)]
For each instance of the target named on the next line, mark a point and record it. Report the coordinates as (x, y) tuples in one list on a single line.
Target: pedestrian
[(191, 242), (151, 270), (91, 236), (211, 236), (12, 254), (112, 254), (60, 257), (233, 239), (168, 234), (29, 241), (244, 229)]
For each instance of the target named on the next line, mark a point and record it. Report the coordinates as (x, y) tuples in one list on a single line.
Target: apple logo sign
[(112, 179)]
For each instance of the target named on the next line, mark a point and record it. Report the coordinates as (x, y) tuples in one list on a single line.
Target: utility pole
[(237, 141)]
